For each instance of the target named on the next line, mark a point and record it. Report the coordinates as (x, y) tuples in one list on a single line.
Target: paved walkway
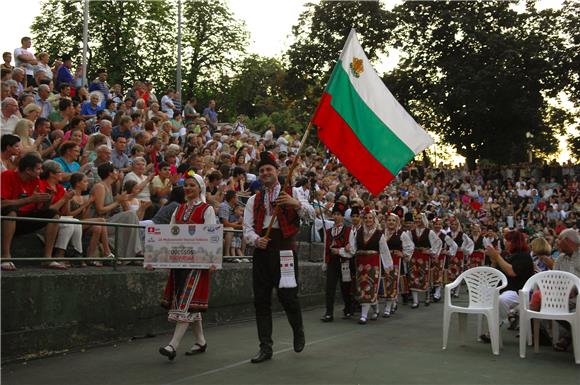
[(405, 349)]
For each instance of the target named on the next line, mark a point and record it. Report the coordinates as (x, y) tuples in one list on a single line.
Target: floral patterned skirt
[(367, 277), (477, 258), (438, 269), (390, 280), (419, 267), (455, 266)]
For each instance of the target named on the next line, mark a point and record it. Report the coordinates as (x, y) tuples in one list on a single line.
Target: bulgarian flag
[(360, 121)]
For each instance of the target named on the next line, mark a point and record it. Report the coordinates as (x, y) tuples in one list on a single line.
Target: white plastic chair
[(483, 286), (555, 288)]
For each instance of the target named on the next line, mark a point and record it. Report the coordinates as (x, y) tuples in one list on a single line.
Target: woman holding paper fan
[(187, 290)]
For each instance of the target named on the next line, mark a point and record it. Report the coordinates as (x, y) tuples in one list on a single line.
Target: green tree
[(480, 74), (214, 43), (58, 29), (320, 34)]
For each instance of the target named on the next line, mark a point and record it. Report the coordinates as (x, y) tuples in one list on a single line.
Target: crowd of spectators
[(104, 153)]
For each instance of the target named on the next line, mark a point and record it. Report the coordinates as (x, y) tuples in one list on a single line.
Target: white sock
[(388, 306), (180, 329), (415, 297), (198, 332), (364, 311), (437, 292)]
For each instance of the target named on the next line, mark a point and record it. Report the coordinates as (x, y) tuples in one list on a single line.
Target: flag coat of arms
[(361, 122)]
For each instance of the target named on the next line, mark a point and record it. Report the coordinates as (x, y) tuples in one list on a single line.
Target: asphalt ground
[(403, 349)]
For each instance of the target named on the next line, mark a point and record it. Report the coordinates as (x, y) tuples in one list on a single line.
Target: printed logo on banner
[(175, 230), (191, 229)]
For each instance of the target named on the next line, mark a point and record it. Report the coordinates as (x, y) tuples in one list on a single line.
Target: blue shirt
[(211, 114), (68, 168), (64, 75), (87, 109)]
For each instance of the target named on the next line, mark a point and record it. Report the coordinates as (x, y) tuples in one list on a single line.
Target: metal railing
[(115, 261)]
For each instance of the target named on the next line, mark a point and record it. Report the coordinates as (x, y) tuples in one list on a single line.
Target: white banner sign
[(184, 246)]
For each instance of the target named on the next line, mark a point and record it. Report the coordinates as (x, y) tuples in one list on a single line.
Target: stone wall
[(47, 311)]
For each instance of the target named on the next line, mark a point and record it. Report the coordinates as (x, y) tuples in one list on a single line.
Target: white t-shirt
[(29, 68), (166, 102)]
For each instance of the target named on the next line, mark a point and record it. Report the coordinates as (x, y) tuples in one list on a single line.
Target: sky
[(268, 34), (268, 21)]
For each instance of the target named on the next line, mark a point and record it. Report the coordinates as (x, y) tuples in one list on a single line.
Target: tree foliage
[(319, 36), (214, 43)]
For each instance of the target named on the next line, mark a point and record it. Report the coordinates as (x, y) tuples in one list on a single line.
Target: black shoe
[(347, 316), (261, 357), (435, 299), (414, 306), (327, 318), (196, 349), (299, 341), (168, 353), (485, 338)]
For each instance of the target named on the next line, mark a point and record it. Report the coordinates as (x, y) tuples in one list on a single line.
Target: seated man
[(21, 197)]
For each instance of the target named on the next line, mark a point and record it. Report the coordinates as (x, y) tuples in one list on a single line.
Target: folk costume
[(401, 248), (465, 248), (426, 244), (477, 258), (187, 290), (337, 260), (438, 262), (369, 246), (267, 270)]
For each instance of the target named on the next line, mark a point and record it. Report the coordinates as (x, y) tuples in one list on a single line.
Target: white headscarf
[(201, 183)]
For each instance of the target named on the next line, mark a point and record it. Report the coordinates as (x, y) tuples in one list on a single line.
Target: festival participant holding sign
[(369, 246), (274, 263), (187, 290)]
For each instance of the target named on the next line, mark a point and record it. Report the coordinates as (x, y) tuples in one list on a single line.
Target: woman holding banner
[(187, 290)]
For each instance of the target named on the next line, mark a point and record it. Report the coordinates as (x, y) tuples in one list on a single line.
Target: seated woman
[(78, 207), (109, 207), (518, 268), (67, 233), (69, 154), (132, 203)]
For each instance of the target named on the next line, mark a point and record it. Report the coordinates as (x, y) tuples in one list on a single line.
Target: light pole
[(85, 39), (178, 72)]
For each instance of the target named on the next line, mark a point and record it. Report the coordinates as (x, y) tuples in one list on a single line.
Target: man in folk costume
[(426, 244), (187, 290), (448, 248), (337, 261), (274, 261), (401, 248), (465, 248), (477, 258), (369, 246)]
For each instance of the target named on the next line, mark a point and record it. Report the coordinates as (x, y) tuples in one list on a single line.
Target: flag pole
[(289, 177)]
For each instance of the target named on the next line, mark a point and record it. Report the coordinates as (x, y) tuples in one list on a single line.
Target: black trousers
[(266, 277), (333, 276)]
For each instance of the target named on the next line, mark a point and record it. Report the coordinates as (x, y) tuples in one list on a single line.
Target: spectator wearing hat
[(337, 263), (267, 268)]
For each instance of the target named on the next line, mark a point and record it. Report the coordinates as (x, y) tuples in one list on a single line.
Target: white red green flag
[(360, 121)]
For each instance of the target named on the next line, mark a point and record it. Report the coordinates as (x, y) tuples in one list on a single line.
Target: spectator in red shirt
[(21, 198)]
